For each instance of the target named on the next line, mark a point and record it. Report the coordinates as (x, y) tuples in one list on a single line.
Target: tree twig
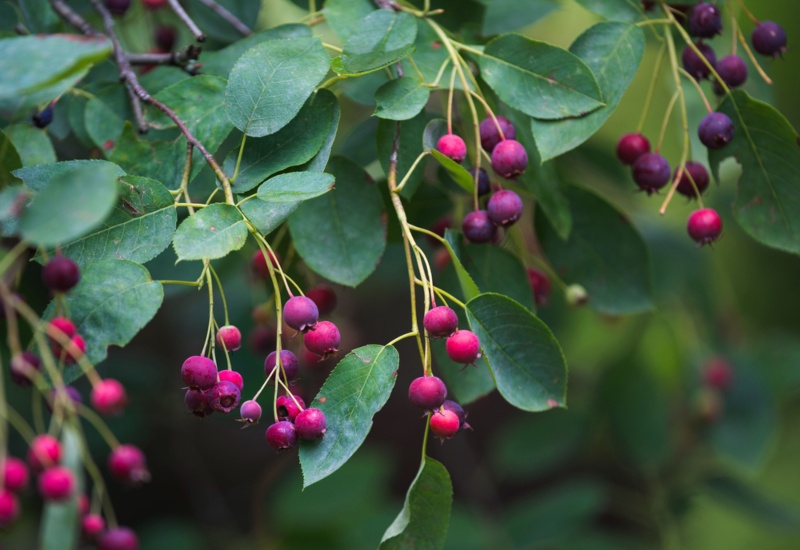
[(223, 12), (184, 17), (66, 13)]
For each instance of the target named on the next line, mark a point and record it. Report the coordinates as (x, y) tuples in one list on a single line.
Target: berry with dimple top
[(23, 368), (233, 377), (427, 392), (118, 7), (229, 337), (704, 226), (15, 474), (324, 297), (451, 145), (300, 313), (732, 70), (118, 538), (509, 159), (484, 185), (199, 373), (478, 227), (45, 450), (224, 396), (127, 463), (289, 407), (289, 361), (259, 264), (281, 435), (651, 172), (463, 347), (92, 525), (197, 403), (540, 285), (444, 424), (490, 136), (310, 424), (460, 413), (323, 339), (61, 274), (440, 322), (705, 21), (109, 397), (769, 38), (715, 130), (631, 146), (250, 412), (165, 37), (700, 176), (694, 64), (504, 208), (43, 118), (56, 483), (718, 373), (9, 508)]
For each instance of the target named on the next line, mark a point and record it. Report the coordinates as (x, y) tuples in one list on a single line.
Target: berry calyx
[(463, 347), (440, 322), (229, 337), (199, 372), (197, 403), (310, 424), (769, 38), (632, 146), (490, 136), (504, 208), (61, 274), (694, 64), (717, 373), (698, 174), (289, 407), (323, 340), (109, 397), (291, 365), (9, 508), (224, 396), (23, 368), (484, 185), (45, 450), (15, 474), (540, 285), (704, 226), (715, 130), (127, 463), (732, 70), (452, 146), (478, 227), (705, 20), (300, 313), (427, 392), (509, 159), (651, 172), (118, 538), (250, 412), (281, 435), (92, 525), (444, 424), (324, 297), (56, 483)]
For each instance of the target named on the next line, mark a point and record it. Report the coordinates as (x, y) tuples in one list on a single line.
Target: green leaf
[(209, 20), (60, 521), (32, 144), (73, 203), (604, 253), (613, 51), (755, 504), (341, 235), (765, 145), (292, 145), (401, 99), (495, 269), (295, 187), (615, 10), (31, 63), (267, 216), (354, 392), (383, 37), (526, 361), (320, 160), (12, 198), (508, 15), (452, 244), (271, 82), (113, 301), (411, 132), (103, 125), (345, 16), (423, 521), (36, 178), (456, 171), (9, 160), (139, 228), (159, 160), (210, 233), (435, 129), (541, 80)]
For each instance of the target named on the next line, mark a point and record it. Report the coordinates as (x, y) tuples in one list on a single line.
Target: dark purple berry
[(694, 64), (310, 424), (631, 146), (705, 21), (324, 297), (229, 337), (61, 274), (484, 186), (128, 464), (250, 412), (504, 208), (224, 396), (451, 145), (651, 172), (118, 7), (118, 538), (509, 158), (300, 313), (24, 367), (732, 70), (440, 322), (444, 424), (463, 347), (289, 407), (289, 361), (197, 403), (427, 392), (478, 227), (281, 435), (490, 136), (199, 373), (165, 37), (700, 176), (704, 226), (323, 339), (769, 38), (43, 118), (716, 130)]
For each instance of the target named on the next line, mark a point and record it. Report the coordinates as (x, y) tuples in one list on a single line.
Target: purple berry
[(463, 347), (694, 64), (118, 538), (478, 227), (732, 70), (504, 208), (704, 226), (199, 373), (289, 407), (700, 176), (484, 186), (300, 313), (444, 424), (705, 21), (250, 412), (165, 37), (127, 463), (631, 146), (440, 322), (427, 392), (229, 337), (310, 424), (323, 340), (490, 137), (61, 274), (233, 377), (450, 145), (281, 435), (224, 396), (715, 130), (289, 361), (197, 403), (769, 38), (651, 172), (23, 368), (509, 158)]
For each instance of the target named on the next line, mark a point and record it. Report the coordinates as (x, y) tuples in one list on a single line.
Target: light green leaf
[(345, 16), (267, 216), (210, 233), (32, 144), (508, 15), (383, 37), (615, 10), (456, 171), (409, 149), (295, 187), (220, 62), (401, 99), (36, 178)]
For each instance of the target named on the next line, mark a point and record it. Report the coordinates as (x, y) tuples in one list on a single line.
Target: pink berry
[(504, 208), (324, 297), (9, 508), (64, 325), (15, 474), (631, 146), (288, 360), (440, 322), (444, 424), (323, 339), (56, 483), (233, 377), (704, 226), (509, 159), (310, 424), (250, 412), (281, 435), (427, 392), (463, 347), (118, 538), (288, 408), (229, 338), (478, 227), (224, 396), (199, 372), (45, 450), (24, 368), (61, 274), (259, 264), (197, 403), (92, 525), (109, 397), (490, 136), (540, 285), (452, 146), (718, 373), (300, 313), (128, 464)]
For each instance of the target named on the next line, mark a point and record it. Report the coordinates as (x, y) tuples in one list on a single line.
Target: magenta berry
[(732, 70), (289, 407), (250, 412), (56, 483), (199, 373), (540, 285), (504, 208), (224, 396), (716, 130), (323, 339), (61, 274), (300, 313), (694, 64), (109, 397), (197, 403), (45, 450), (705, 20), (705, 226), (427, 392), (478, 227), (769, 38), (324, 297), (118, 538), (92, 525), (509, 159), (62, 326), (450, 145), (291, 365), (484, 186), (281, 435), (259, 263), (460, 413), (444, 424), (23, 368), (700, 176), (233, 377), (717, 373), (463, 347), (127, 463), (651, 172), (9, 508), (310, 424), (490, 136), (631, 146), (15, 474), (229, 337), (440, 322)]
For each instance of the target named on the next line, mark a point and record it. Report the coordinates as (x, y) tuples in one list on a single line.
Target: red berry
[(705, 226), (281, 435), (509, 158), (427, 392), (250, 412), (259, 264), (769, 38), (61, 274), (463, 347), (289, 407), (56, 483), (15, 474), (324, 297), (444, 424), (92, 525), (45, 450), (197, 403), (460, 413), (9, 508), (128, 464), (651, 172), (229, 337), (310, 424), (118, 538), (540, 285), (224, 396), (440, 322), (450, 145), (109, 397), (24, 368), (478, 227), (288, 360), (199, 372), (504, 208), (716, 130), (700, 176), (718, 373), (490, 136), (323, 339), (631, 146), (233, 377), (300, 313)]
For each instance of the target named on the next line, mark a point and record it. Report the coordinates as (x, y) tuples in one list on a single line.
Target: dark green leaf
[(215, 26), (615, 10), (453, 244), (383, 37), (604, 253), (271, 82), (735, 492), (355, 391), (423, 521), (9, 160), (295, 187), (211, 233), (508, 15), (341, 235), (409, 149), (541, 80), (401, 99), (320, 160), (495, 269), (345, 16), (38, 14), (60, 520), (33, 145), (524, 356), (267, 216), (36, 178), (765, 145), (12, 198), (160, 160), (435, 129), (220, 62)]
